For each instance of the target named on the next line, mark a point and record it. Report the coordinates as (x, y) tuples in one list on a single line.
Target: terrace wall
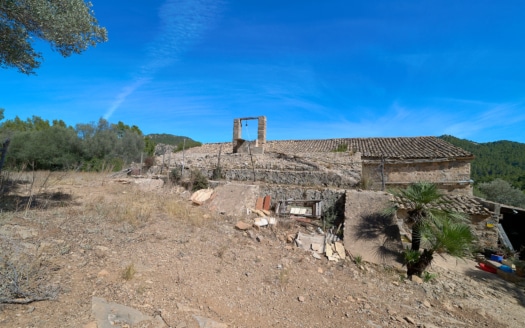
[(336, 170)]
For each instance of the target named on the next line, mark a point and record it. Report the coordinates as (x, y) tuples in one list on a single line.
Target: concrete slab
[(306, 241), (233, 199)]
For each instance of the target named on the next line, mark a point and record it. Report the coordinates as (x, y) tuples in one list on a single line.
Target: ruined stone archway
[(243, 146)]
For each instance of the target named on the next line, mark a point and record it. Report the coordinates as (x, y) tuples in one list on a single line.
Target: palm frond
[(437, 216), (411, 256), (448, 235), (420, 194)]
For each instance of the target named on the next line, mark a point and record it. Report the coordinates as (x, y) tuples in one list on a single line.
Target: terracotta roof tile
[(401, 148), (394, 148), (457, 203)]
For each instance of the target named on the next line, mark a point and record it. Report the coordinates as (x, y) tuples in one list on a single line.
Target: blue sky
[(315, 69)]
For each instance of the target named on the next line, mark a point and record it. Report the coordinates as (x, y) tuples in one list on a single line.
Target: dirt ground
[(108, 253)]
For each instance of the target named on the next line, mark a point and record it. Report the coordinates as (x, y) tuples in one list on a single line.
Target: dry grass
[(222, 251), (23, 275), (366, 182), (54, 203), (98, 196), (284, 278), (129, 272)]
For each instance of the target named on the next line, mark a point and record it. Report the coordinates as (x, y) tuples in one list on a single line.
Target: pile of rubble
[(321, 244), (314, 239)]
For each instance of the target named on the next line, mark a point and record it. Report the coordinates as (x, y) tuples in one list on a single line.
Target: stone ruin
[(319, 170), (241, 145)]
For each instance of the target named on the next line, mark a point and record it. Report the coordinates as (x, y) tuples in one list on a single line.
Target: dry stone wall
[(301, 176), (337, 170)]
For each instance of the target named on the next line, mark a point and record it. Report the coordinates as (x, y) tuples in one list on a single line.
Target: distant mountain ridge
[(499, 159)]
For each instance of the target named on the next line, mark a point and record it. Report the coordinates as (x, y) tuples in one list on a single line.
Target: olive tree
[(68, 25), (54, 148), (501, 191), (104, 143)]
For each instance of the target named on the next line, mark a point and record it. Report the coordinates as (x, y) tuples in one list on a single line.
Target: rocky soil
[(111, 255)]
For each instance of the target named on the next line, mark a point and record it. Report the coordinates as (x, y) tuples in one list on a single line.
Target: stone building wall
[(449, 176)]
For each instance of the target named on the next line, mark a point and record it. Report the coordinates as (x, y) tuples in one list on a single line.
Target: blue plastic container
[(505, 268), (497, 258)]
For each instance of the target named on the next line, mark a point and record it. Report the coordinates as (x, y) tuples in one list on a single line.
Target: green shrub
[(501, 191), (341, 148), (411, 256), (358, 259), (329, 218), (116, 164), (198, 180), (217, 173), (176, 174), (129, 272), (427, 276)]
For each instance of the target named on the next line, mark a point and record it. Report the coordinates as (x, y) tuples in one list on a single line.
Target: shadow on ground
[(498, 283), (45, 200), (383, 232)]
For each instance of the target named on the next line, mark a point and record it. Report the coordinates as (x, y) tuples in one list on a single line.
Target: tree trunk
[(421, 265), (416, 236), (5, 145)]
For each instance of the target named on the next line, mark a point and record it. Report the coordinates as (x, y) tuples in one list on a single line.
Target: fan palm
[(420, 195), (439, 230)]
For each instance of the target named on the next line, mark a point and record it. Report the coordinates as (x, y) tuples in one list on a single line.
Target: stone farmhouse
[(329, 169), (396, 162), (368, 163)]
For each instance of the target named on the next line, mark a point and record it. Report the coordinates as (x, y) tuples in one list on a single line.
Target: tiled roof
[(456, 203), (393, 148), (400, 148)]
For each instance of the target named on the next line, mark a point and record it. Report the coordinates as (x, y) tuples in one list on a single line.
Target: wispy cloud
[(261, 87), (395, 121), (183, 22), (490, 117), (126, 91), (480, 122)]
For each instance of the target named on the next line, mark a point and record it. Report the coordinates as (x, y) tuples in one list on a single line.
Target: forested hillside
[(169, 139), (500, 159), (36, 143)]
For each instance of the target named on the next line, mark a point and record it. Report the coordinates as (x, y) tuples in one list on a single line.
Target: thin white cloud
[(291, 86), (183, 22), (121, 97), (466, 101), (396, 121), (495, 116), (483, 119)]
